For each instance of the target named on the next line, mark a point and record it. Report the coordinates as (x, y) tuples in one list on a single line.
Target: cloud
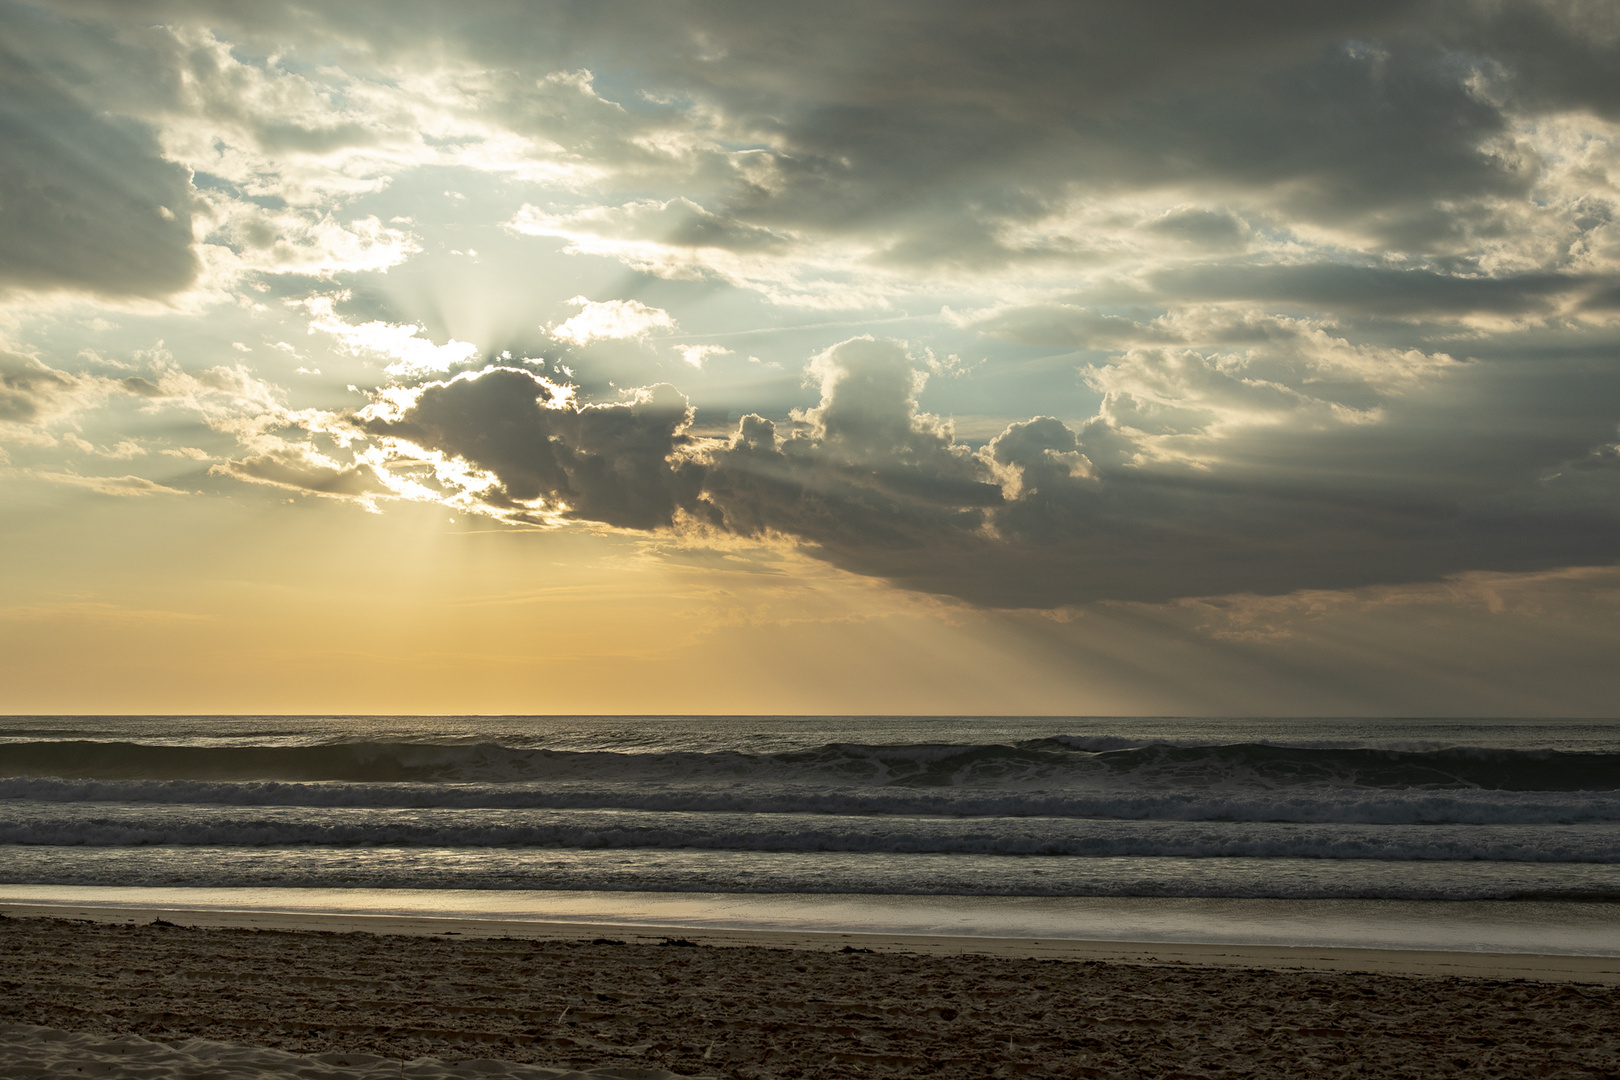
[(1341, 278), (302, 468), (1553, 56), (116, 486), (1267, 470), (34, 396), (834, 141), (802, 274), (1375, 290), (1251, 618), (413, 354), (696, 354), (1350, 120), (864, 467), (1215, 229), (1054, 323), (1384, 141), (31, 392), (87, 201), (676, 223), (611, 320), (126, 450), (242, 237), (536, 455)]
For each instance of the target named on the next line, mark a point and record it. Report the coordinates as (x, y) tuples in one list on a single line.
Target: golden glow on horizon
[(322, 608)]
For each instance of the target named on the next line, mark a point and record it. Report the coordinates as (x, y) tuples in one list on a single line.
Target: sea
[(1483, 835)]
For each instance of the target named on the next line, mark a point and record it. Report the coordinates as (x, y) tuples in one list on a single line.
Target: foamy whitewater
[(1232, 809)]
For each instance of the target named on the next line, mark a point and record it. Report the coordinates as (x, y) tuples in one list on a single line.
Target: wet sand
[(751, 1004)]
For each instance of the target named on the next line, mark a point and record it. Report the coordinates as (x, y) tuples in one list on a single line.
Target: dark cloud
[(1555, 55), (1049, 514), (863, 468), (933, 128), (1106, 98), (140, 387), (1215, 229), (29, 390), (1231, 196), (609, 463), (927, 122), (87, 201), (1374, 131), (1372, 290)]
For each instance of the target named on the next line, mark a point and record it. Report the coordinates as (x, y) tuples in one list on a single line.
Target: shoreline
[(1536, 967), (1544, 928)]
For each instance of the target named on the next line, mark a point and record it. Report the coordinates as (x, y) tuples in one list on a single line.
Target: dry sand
[(749, 1005)]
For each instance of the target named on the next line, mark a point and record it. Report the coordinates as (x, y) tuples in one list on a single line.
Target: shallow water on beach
[(992, 812), (1543, 927)]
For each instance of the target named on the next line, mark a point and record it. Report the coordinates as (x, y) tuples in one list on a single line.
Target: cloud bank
[(1203, 474), (1338, 285)]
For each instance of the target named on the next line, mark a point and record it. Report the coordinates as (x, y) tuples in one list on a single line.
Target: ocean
[(1405, 833)]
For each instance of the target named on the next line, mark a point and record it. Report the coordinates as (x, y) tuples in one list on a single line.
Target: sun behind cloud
[(1029, 320)]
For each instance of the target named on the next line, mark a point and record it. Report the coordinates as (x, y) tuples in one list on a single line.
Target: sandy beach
[(730, 1003)]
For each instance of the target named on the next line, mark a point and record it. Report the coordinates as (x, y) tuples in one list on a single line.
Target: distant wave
[(1235, 802), (1039, 763)]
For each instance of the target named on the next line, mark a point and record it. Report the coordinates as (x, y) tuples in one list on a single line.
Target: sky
[(1258, 358)]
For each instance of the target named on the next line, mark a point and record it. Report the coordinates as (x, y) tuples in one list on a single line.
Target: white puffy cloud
[(410, 353), (245, 238), (611, 320), (674, 223), (697, 354)]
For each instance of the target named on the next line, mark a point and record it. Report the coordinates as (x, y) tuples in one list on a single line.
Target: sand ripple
[(28, 1052)]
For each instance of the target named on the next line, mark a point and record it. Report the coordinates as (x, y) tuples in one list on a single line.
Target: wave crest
[(1050, 764)]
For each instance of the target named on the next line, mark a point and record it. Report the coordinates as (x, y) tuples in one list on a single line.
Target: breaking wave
[(1230, 802), (1037, 814), (1057, 761), (136, 826)]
